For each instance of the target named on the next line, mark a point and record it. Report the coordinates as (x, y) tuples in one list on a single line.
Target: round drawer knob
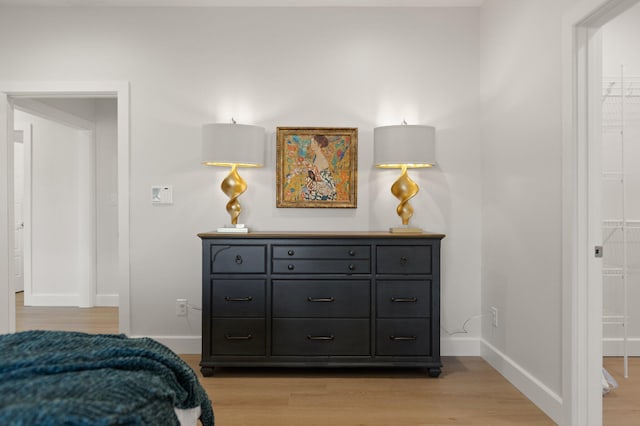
[(352, 267), (291, 252), (290, 267), (352, 253)]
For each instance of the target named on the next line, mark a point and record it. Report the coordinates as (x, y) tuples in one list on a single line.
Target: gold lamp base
[(404, 189), (233, 186)]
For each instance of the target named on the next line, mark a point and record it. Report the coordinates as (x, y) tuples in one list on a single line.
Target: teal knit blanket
[(69, 378)]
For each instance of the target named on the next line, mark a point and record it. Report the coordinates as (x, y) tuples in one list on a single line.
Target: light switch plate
[(161, 194)]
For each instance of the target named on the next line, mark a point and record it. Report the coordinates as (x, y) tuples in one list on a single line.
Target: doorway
[(60, 216), (12, 94), (582, 206), (621, 212)]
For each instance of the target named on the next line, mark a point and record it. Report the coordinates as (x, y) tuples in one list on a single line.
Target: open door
[(20, 152)]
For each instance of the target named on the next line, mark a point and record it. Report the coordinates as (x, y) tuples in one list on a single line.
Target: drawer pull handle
[(247, 337), (352, 267), (238, 299), (404, 299), (290, 267), (403, 261), (291, 252), (321, 299), (330, 337), (239, 259), (403, 337), (352, 252)]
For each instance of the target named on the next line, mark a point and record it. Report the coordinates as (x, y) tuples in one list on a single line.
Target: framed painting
[(316, 167)]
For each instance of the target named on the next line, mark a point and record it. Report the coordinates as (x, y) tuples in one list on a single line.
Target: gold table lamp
[(404, 147), (233, 145)]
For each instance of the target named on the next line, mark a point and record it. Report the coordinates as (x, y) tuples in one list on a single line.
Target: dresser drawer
[(240, 259), (403, 337), (323, 266), (237, 298), (320, 337), (321, 298), (403, 298), (322, 252), (238, 336), (404, 260)]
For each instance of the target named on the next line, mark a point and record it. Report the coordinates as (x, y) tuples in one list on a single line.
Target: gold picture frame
[(317, 167)]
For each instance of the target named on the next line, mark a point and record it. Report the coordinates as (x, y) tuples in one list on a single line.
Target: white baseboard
[(70, 300), (180, 344), (110, 300), (54, 300), (615, 347), (543, 397), (460, 346)]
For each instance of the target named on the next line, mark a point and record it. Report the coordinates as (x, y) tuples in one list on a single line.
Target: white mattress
[(188, 416)]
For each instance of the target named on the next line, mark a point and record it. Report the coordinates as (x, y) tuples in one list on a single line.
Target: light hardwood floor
[(622, 405), (87, 320), (469, 391)]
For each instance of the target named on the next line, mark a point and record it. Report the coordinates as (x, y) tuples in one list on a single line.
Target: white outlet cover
[(162, 194)]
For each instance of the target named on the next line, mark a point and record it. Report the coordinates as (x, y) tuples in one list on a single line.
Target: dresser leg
[(434, 371), (207, 371)]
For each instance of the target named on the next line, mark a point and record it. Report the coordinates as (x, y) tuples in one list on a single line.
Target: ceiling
[(245, 3)]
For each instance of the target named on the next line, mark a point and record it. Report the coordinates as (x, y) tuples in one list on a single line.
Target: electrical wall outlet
[(181, 307), (494, 316)]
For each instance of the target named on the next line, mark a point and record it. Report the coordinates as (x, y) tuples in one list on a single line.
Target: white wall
[(106, 202), (101, 114), (522, 193), (77, 107), (271, 67), (620, 39)]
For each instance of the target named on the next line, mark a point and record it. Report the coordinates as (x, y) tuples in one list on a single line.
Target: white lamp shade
[(404, 145), (228, 144)]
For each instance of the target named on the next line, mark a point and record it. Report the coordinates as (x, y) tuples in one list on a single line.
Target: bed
[(72, 378)]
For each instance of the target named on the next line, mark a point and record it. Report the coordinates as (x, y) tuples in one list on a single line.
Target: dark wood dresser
[(293, 299)]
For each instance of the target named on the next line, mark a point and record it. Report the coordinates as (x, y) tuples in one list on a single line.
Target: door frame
[(13, 90), (582, 199)]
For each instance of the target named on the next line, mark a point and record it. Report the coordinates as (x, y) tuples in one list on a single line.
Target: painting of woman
[(316, 167), (320, 184)]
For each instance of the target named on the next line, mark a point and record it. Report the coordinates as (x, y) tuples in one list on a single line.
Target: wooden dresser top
[(332, 234)]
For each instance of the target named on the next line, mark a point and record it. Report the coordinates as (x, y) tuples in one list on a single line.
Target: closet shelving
[(621, 111)]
